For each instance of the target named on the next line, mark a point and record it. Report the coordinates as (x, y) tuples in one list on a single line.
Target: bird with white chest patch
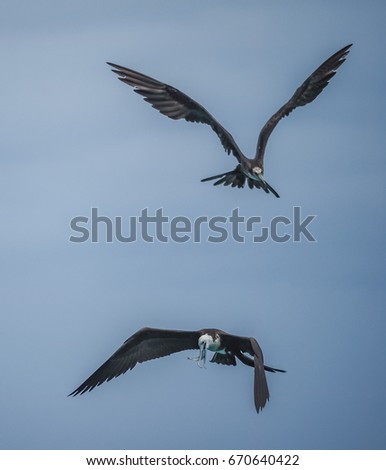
[(152, 343)]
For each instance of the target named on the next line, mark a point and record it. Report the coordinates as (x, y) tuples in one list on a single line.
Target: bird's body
[(152, 343), (175, 104)]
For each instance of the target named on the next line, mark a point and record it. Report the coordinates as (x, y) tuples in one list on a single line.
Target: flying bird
[(153, 343), (174, 104)]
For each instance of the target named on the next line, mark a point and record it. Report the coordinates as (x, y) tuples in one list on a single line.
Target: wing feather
[(251, 347), (261, 393), (144, 345), (175, 104), (305, 94)]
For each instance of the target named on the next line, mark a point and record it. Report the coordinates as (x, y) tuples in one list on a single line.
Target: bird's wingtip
[(114, 66), (345, 50)]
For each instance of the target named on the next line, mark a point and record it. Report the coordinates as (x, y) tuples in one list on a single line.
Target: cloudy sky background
[(74, 137)]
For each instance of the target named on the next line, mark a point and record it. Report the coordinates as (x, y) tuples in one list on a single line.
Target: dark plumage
[(174, 104), (151, 343)]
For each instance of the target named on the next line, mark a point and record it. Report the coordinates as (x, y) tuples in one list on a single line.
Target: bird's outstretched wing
[(241, 344), (261, 393), (305, 94), (175, 104), (144, 345)]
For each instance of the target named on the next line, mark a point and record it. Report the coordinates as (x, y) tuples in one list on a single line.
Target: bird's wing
[(261, 393), (144, 345), (175, 104), (241, 344), (306, 93)]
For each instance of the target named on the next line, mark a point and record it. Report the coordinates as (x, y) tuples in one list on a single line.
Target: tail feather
[(271, 369), (220, 181), (272, 190), (236, 178), (215, 177), (225, 359)]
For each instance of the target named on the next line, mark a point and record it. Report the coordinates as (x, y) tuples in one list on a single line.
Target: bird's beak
[(201, 357), (259, 176)]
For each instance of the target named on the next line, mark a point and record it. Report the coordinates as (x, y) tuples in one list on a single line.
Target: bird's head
[(256, 170), (204, 342), (207, 342), (210, 342)]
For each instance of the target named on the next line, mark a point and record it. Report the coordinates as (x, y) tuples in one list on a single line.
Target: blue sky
[(74, 137)]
